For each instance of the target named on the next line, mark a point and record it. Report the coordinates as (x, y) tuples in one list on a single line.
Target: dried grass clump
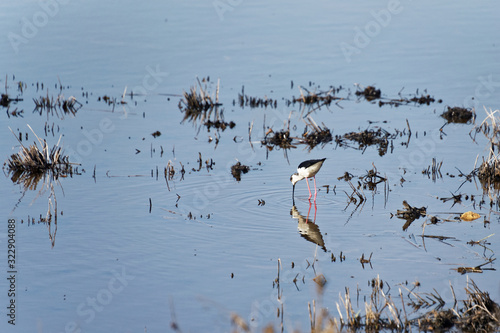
[(34, 159), (317, 134), (197, 102), (29, 165), (489, 170), (382, 312), (280, 139), (479, 312)]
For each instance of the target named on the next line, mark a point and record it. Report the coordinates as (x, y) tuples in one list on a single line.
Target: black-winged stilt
[(307, 169)]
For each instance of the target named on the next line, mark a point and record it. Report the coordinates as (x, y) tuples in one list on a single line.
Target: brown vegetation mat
[(458, 115)]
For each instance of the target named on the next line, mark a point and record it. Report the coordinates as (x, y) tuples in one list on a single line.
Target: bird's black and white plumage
[(307, 169)]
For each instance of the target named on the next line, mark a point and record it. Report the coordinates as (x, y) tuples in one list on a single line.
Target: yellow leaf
[(469, 216)]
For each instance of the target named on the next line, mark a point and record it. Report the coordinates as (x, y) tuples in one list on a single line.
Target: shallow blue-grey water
[(134, 251)]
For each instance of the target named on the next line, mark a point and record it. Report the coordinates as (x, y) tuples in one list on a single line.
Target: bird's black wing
[(308, 163)]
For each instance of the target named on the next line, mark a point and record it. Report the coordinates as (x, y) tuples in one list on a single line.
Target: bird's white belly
[(309, 172)]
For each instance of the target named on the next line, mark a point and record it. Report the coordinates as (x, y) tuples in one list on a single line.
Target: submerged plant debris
[(238, 169), (199, 105), (219, 124), (58, 106), (369, 93), (5, 100), (410, 214), (424, 99), (280, 139), (458, 115), (434, 170), (372, 179), (489, 173), (316, 135), (416, 99), (316, 100), (255, 102), (366, 138), (320, 98), (476, 269)]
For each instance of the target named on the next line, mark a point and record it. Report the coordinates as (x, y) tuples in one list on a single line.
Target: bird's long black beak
[(293, 194)]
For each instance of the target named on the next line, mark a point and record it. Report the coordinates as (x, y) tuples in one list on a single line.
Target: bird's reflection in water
[(307, 226)]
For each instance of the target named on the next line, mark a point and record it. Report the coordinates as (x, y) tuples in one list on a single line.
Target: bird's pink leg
[(310, 205), (315, 191), (307, 181)]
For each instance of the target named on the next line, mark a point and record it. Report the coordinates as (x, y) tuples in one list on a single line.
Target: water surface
[(207, 248)]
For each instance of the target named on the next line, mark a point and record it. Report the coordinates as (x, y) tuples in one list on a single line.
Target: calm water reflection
[(132, 252), (307, 227)]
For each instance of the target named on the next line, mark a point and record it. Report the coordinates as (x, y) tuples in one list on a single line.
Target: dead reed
[(31, 164), (58, 106), (255, 102), (380, 311), (315, 134), (320, 98), (434, 170), (488, 172), (478, 312), (279, 139), (197, 102)]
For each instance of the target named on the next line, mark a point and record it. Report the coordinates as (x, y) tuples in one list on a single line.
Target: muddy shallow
[(155, 228)]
